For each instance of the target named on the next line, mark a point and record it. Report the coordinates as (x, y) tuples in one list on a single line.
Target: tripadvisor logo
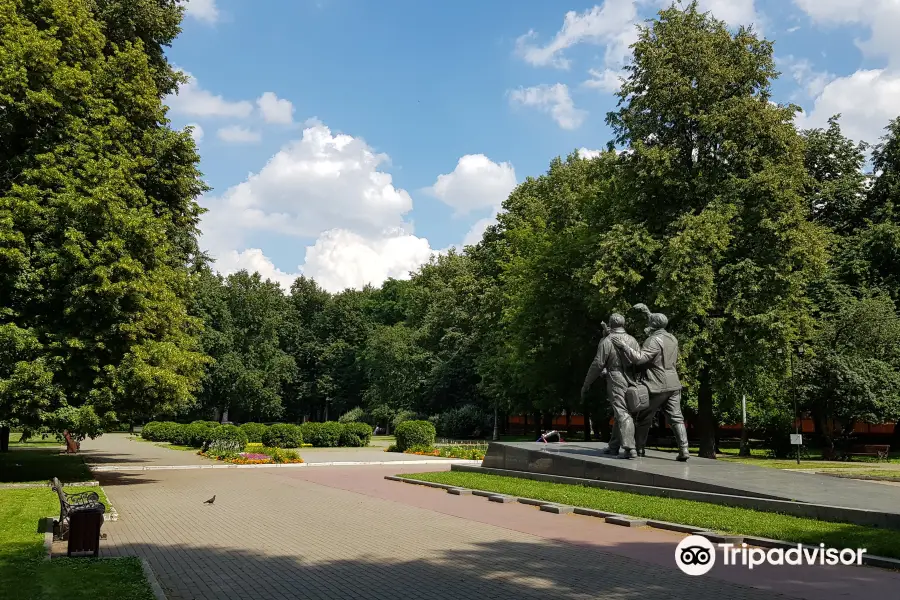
[(696, 555)]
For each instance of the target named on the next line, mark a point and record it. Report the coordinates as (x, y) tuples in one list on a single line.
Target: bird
[(210, 501)]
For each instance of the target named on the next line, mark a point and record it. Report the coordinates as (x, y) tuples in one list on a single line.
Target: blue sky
[(348, 140)]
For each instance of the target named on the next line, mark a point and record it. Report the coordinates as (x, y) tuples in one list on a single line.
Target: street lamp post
[(796, 411)]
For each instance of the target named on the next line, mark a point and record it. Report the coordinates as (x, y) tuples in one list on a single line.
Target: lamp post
[(800, 351)]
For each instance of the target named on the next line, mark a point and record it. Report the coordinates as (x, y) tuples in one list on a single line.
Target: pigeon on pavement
[(210, 501)]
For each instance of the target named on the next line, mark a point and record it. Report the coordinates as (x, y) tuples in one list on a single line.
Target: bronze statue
[(659, 357), (608, 363)]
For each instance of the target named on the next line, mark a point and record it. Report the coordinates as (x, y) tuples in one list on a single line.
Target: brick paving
[(345, 532)]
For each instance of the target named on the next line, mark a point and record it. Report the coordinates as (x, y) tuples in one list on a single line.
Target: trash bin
[(84, 530)]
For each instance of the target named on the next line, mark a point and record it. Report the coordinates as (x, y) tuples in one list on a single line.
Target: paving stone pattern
[(271, 536)]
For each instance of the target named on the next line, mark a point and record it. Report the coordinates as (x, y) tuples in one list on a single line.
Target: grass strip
[(26, 465), (726, 519), (25, 575)]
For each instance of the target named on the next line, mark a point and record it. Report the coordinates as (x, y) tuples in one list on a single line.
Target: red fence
[(806, 425)]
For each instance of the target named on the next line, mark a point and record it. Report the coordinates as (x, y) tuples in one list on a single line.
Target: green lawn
[(21, 465), (25, 575), (726, 519), (15, 439)]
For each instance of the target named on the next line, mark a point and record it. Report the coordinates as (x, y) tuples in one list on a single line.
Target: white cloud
[(341, 259), (476, 182), (196, 132), (235, 134), (610, 24), (552, 99), (733, 12), (607, 80), (867, 101), (203, 10), (194, 101), (810, 80), (324, 187), (275, 109), (881, 17), (589, 154)]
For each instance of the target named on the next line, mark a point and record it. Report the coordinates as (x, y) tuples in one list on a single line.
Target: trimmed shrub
[(148, 431), (180, 434), (414, 433), (199, 433), (356, 434), (282, 435), (254, 432), (354, 415), (160, 431), (228, 438), (323, 435)]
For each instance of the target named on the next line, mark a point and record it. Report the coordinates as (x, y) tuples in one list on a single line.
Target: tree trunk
[(525, 424), (568, 419), (548, 421), (225, 415), (820, 422), (4, 439), (537, 424), (896, 441), (706, 422), (604, 426)]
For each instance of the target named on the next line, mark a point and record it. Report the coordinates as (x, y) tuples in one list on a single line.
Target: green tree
[(244, 319), (97, 207), (712, 203)]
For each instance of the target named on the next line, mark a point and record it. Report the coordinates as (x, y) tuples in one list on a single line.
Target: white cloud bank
[(476, 183), (203, 10), (553, 100)]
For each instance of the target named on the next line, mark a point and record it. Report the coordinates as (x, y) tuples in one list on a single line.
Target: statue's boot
[(641, 452), (630, 453), (610, 450), (681, 438)]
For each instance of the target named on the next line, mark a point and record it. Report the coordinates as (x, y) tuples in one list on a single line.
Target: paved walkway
[(334, 533), (117, 450)]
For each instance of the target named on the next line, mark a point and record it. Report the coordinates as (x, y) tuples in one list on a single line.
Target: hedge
[(228, 437), (323, 435), (414, 433), (356, 434), (255, 432), (282, 435)]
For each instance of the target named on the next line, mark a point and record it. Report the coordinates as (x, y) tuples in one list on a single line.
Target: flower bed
[(265, 456), (463, 452)]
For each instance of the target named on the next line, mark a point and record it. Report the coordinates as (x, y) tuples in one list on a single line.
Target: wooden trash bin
[(84, 531)]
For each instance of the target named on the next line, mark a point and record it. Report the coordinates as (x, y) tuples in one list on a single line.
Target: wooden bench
[(70, 504), (879, 451)]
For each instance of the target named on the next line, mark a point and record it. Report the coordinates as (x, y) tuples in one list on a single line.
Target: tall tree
[(713, 202), (97, 209)]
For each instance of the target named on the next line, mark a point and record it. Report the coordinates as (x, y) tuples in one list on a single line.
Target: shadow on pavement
[(504, 570)]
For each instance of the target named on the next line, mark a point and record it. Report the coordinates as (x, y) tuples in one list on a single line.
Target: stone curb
[(18, 486), (151, 579), (445, 461), (626, 521)]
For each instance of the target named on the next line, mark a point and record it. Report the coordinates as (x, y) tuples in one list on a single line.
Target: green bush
[(180, 434), (282, 435), (228, 438), (160, 431), (254, 432), (149, 431), (354, 415), (198, 433), (414, 433), (356, 434), (323, 435)]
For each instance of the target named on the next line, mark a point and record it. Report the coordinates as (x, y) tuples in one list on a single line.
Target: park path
[(113, 451), (333, 533)]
